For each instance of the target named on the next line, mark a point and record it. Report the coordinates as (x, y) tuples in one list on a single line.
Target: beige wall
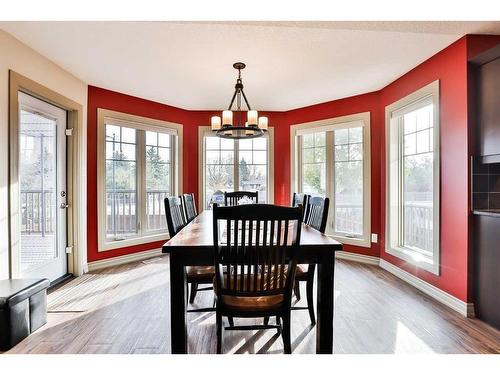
[(22, 59)]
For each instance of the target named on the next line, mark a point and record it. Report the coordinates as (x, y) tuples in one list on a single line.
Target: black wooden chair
[(255, 263), (302, 200), (316, 216), (189, 207), (195, 275), (232, 198)]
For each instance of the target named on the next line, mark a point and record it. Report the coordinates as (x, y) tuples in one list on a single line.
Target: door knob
[(63, 206)]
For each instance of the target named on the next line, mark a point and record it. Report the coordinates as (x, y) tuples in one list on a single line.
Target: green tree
[(244, 171), (156, 171)]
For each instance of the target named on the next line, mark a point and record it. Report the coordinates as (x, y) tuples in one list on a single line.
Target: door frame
[(74, 179)]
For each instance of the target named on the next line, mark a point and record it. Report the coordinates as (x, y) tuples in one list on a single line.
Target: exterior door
[(42, 186)]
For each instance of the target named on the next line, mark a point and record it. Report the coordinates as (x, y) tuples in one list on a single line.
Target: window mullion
[(141, 182), (330, 176)]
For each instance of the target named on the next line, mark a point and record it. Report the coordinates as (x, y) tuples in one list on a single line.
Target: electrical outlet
[(374, 237)]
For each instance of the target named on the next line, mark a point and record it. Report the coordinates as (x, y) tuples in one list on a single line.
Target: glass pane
[(128, 135), (308, 140), (410, 144), (212, 143), (112, 150), (356, 135), (341, 153), (246, 156), (245, 144), (341, 136), (212, 157), (314, 178), (356, 152), (218, 178), (226, 144), (164, 154), (308, 155), (164, 140), (319, 139), (423, 138), (112, 133), (121, 184), (424, 117), (418, 202), (349, 197), (260, 157), (260, 143), (227, 157), (254, 177), (38, 184), (151, 138), (319, 154), (410, 122)]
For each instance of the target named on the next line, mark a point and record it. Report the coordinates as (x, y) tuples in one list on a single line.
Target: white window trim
[(406, 104), (202, 132), (141, 123), (332, 124)]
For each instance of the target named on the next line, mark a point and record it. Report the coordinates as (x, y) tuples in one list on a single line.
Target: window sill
[(415, 258), (112, 245), (362, 242)]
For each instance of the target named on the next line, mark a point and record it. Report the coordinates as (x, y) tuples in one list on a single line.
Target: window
[(138, 166), (228, 165), (413, 178), (332, 158)]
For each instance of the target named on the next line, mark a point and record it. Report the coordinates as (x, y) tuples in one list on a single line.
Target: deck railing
[(37, 215)]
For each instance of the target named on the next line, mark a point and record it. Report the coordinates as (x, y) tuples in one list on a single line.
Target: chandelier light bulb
[(252, 117), (227, 118)]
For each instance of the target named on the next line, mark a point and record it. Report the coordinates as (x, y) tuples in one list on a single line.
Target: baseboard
[(367, 259), (123, 259), (464, 308)]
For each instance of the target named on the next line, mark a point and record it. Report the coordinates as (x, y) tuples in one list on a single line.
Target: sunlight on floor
[(407, 342)]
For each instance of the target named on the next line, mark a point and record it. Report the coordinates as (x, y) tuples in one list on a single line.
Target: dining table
[(193, 245)]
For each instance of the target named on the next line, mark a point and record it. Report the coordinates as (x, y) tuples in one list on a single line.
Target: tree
[(244, 171), (156, 171)]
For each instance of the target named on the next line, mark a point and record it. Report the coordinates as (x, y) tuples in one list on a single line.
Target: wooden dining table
[(194, 246)]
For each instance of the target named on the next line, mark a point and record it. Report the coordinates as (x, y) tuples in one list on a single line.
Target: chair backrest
[(174, 214), (189, 206), (317, 213), (302, 200), (232, 198), (255, 249)]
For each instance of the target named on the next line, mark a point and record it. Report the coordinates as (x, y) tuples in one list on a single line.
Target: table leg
[(178, 329), (325, 298)]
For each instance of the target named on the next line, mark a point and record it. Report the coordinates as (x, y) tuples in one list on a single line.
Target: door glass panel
[(38, 189)]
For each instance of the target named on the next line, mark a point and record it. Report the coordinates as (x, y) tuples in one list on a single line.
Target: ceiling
[(289, 64)]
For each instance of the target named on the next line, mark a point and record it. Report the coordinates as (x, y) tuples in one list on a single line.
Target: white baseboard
[(464, 308), (367, 259), (116, 261)]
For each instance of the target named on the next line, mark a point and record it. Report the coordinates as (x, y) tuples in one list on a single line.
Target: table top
[(199, 233)]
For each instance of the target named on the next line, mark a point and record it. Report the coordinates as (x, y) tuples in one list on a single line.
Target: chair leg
[(231, 321), (218, 323), (194, 290), (310, 299), (285, 333), (296, 290), (266, 320)]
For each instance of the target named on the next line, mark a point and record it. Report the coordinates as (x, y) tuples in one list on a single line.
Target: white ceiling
[(289, 64)]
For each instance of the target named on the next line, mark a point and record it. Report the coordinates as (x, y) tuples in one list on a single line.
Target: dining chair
[(255, 263), (189, 207), (195, 275), (232, 198), (316, 216), (300, 199)]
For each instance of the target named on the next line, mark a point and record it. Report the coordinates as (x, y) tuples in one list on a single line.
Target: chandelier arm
[(232, 100), (246, 101)]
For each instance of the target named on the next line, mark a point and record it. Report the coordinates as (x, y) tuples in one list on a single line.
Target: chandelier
[(254, 126)]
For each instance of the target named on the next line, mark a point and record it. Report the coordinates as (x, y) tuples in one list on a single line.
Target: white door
[(42, 185)]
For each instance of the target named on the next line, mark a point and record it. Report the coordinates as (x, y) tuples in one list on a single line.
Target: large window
[(332, 158), (413, 177), (228, 165), (138, 168)]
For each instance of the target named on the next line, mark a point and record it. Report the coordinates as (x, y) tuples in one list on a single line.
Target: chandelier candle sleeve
[(252, 116), (216, 124), (263, 122), (227, 118)]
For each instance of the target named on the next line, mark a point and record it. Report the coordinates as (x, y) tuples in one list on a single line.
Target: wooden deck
[(125, 309)]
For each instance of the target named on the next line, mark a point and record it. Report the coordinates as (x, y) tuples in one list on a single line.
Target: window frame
[(394, 186), (329, 126), (142, 124), (205, 130)]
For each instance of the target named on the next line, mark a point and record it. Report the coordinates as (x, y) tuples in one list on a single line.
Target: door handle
[(63, 206)]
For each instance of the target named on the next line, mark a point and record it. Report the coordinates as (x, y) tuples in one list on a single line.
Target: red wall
[(449, 66)]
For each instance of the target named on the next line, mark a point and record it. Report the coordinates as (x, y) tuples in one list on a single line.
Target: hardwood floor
[(125, 309)]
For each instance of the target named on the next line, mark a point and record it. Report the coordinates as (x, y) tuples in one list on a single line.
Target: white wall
[(24, 60)]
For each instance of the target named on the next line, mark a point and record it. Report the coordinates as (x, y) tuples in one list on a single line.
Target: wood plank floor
[(125, 309)]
